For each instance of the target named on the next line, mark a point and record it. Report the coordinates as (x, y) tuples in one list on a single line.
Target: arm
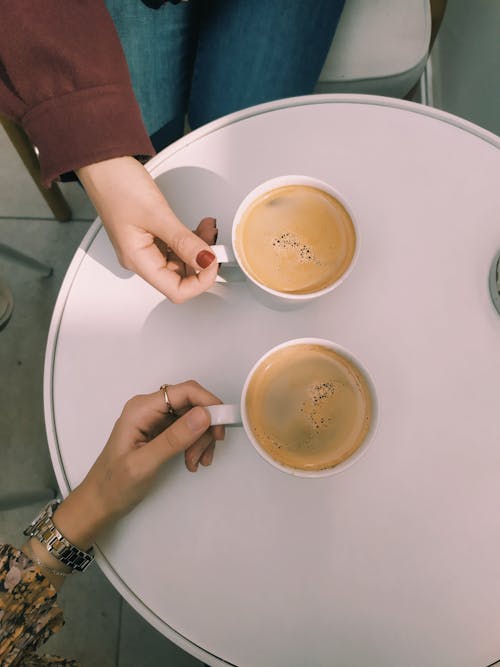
[(64, 77), (135, 215), (143, 439)]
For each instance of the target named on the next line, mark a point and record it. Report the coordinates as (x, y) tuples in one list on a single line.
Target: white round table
[(396, 561)]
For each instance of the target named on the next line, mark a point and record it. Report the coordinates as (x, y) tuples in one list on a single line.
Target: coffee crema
[(296, 239), (308, 406)]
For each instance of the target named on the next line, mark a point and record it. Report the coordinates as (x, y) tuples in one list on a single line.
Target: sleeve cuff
[(86, 126)]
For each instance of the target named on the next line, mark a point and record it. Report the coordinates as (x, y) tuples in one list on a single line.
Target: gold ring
[(170, 409)]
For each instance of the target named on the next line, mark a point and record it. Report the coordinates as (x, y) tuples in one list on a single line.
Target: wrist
[(39, 554), (124, 192), (52, 569), (80, 517)]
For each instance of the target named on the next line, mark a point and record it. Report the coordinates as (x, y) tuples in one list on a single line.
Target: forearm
[(122, 187)]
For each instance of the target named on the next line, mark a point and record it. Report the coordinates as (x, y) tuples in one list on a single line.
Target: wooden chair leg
[(53, 195)]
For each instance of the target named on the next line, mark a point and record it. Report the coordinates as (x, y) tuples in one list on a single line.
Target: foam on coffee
[(308, 406), (296, 239)]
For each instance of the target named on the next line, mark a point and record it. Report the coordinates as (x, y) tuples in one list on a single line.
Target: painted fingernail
[(204, 258)]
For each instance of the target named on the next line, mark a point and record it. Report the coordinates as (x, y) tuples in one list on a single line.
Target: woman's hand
[(143, 439), (146, 234)]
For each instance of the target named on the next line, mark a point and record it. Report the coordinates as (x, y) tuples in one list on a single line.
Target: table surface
[(396, 560)]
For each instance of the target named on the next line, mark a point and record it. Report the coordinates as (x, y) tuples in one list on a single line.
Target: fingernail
[(204, 258), (196, 419)]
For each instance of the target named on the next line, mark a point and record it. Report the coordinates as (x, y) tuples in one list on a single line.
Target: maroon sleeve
[(64, 78)]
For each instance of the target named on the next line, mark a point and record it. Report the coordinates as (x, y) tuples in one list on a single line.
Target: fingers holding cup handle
[(224, 254), (229, 269)]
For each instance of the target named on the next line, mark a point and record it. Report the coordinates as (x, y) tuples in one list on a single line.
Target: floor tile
[(91, 605), (14, 521), (92, 612), (19, 196), (25, 459), (142, 646)]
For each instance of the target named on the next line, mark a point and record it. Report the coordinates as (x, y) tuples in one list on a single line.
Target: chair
[(381, 47), (53, 195)]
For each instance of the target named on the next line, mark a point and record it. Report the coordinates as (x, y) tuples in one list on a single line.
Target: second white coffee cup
[(236, 414)]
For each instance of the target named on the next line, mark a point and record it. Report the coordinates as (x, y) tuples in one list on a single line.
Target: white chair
[(381, 46)]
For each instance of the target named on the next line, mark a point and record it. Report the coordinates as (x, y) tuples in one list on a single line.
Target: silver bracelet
[(50, 570), (37, 561)]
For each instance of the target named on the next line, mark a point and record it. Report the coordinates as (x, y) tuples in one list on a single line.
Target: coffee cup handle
[(229, 270), (228, 414), (224, 254)]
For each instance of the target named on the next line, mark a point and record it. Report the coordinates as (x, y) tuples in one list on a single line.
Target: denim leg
[(159, 46), (252, 51)]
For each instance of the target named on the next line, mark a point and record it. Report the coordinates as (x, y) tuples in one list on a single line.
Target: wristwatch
[(42, 527)]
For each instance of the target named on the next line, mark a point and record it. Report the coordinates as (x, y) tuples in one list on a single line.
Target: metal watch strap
[(43, 529)]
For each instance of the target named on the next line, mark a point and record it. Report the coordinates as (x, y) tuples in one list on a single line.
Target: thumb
[(189, 247), (179, 436)]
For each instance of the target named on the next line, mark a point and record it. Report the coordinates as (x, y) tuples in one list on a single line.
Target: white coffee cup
[(236, 414), (228, 255)]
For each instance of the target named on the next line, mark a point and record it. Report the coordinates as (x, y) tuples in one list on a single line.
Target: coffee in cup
[(296, 239), (308, 406)]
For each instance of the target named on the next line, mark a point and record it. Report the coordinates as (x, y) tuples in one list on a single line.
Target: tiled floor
[(101, 630)]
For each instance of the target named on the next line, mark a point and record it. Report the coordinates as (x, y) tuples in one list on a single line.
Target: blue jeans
[(207, 58)]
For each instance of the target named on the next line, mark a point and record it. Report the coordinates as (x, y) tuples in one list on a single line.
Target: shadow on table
[(193, 193)]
